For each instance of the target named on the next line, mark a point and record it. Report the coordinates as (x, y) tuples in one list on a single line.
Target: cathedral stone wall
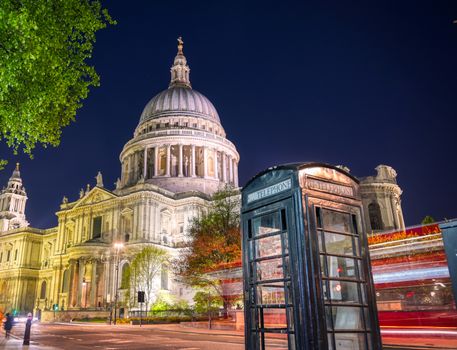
[(381, 200)]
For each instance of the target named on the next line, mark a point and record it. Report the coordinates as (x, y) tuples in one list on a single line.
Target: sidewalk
[(15, 342)]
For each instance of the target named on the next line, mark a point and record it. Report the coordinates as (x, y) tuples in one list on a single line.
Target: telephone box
[(306, 268)]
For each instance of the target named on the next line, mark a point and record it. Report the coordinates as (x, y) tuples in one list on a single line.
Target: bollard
[(28, 326)]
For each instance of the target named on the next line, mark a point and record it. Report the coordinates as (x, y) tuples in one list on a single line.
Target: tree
[(428, 220), (145, 267), (44, 48), (215, 243)]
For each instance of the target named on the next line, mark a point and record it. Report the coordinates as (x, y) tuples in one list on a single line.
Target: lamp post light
[(117, 247)]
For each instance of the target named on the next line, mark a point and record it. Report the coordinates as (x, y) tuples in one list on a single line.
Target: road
[(100, 336), (88, 336)]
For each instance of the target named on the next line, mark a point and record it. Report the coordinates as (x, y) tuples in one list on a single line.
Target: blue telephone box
[(306, 268)]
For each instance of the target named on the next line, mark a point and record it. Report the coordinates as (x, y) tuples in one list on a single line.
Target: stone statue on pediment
[(99, 179)]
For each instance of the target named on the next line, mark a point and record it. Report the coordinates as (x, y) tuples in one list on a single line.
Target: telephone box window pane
[(329, 318), (290, 314), (271, 294), (343, 291), (267, 246), (266, 224), (270, 269), (341, 267), (344, 317), (367, 318), (330, 341), (276, 342), (273, 318), (350, 341), (336, 221), (340, 244)]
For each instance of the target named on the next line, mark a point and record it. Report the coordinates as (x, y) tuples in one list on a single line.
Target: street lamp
[(117, 246)]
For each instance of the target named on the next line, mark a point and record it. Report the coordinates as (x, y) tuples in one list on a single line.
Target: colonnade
[(179, 160), (85, 289)]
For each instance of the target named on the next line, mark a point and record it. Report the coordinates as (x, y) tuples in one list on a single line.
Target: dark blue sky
[(359, 84)]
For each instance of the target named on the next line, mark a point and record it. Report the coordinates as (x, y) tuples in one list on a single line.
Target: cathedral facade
[(178, 157)]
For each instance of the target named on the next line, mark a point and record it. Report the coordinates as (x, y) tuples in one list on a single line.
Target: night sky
[(353, 83)]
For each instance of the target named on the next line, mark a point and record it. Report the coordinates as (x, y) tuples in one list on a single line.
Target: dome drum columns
[(179, 160)]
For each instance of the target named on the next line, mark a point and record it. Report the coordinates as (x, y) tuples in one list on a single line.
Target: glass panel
[(367, 318), (273, 318), (276, 341), (340, 244), (330, 341), (292, 342), (344, 291), (290, 315), (321, 244), (266, 224), (271, 294), (344, 317), (325, 290), (323, 267), (340, 267), (363, 291), (269, 269), (329, 318), (350, 341), (336, 221), (267, 246), (370, 341)]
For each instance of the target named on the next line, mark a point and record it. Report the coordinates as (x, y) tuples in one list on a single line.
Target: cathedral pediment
[(96, 195)]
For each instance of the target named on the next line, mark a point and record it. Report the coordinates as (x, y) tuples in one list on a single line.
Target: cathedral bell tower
[(12, 203)]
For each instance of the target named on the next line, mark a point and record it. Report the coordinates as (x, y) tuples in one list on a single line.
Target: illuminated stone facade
[(179, 155), (381, 200)]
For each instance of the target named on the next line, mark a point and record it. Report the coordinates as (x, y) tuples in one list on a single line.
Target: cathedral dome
[(179, 144), (180, 100)]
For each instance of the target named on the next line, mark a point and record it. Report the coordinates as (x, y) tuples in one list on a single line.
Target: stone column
[(235, 172), (230, 169), (192, 163), (73, 283), (216, 165), (167, 172), (394, 211), (93, 285), (81, 263), (224, 167), (181, 161), (205, 163), (156, 161), (130, 173), (145, 163), (107, 279)]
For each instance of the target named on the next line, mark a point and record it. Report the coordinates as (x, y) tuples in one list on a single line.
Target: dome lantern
[(180, 70)]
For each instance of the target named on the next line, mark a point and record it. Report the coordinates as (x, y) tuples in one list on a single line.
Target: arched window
[(65, 281), (374, 212), (43, 290)]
